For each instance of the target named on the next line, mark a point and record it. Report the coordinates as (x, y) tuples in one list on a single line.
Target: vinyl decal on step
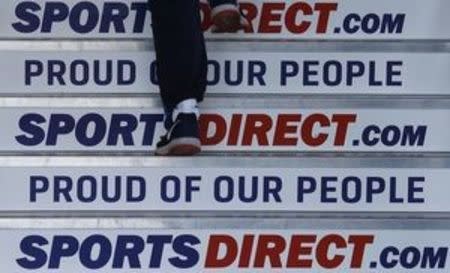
[(350, 19), (258, 130), (230, 72), (223, 188)]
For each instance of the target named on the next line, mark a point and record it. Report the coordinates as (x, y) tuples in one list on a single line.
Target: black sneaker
[(182, 138)]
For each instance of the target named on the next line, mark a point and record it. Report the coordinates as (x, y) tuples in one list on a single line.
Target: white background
[(16, 187), (425, 19), (421, 73), (10, 250)]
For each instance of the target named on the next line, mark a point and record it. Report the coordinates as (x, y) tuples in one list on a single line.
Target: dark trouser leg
[(215, 3), (180, 50)]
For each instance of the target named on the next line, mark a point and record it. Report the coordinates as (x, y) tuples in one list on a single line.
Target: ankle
[(223, 7), (188, 106)]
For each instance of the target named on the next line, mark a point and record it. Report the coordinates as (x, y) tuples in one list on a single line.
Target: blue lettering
[(308, 73), (256, 72), (158, 243), (114, 14), (56, 71), (128, 247), (375, 185), (38, 184), (345, 189), (393, 70), (63, 246), (182, 245), (53, 12), (305, 185), (60, 124), (122, 125), (239, 72), (327, 79), (170, 182), (328, 188), (126, 67), (289, 69), (414, 188), (84, 67), (103, 256), (355, 69), (219, 189), (63, 187), (93, 16), (214, 71), (30, 247), (33, 68), (81, 131), (30, 21), (28, 123)]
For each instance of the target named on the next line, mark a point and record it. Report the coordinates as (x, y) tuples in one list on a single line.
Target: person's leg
[(226, 16), (181, 70)]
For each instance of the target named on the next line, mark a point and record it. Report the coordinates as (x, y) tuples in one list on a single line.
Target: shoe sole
[(185, 146), (227, 21)]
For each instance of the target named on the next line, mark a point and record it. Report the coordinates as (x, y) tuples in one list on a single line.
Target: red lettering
[(212, 259), (323, 251), (250, 12), (205, 123), (269, 250), (291, 16), (205, 12), (271, 15), (233, 138), (282, 128), (246, 251), (270, 246), (268, 17), (298, 248), (324, 10), (360, 242), (308, 126), (257, 125), (342, 121)]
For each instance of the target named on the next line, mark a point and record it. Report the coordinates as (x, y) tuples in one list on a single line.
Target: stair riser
[(230, 73), (237, 129), (221, 188), (349, 20), (359, 249)]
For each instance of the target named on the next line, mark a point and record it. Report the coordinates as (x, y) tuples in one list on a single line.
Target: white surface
[(382, 239), (418, 73), (424, 20), (435, 140), (28, 189)]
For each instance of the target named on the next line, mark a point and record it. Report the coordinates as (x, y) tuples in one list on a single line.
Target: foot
[(227, 19), (182, 138)]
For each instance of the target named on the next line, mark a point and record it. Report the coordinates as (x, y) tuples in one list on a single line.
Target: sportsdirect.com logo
[(315, 130), (225, 251), (298, 17)]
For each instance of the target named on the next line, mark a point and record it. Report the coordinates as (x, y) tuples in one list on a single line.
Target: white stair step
[(248, 71), (229, 125), (347, 20), (308, 187), (239, 223), (373, 243)]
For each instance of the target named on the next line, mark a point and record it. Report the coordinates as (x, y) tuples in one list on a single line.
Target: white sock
[(188, 106), (218, 9)]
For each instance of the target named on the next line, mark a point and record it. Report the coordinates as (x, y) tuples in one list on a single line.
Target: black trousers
[(180, 50), (214, 3)]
